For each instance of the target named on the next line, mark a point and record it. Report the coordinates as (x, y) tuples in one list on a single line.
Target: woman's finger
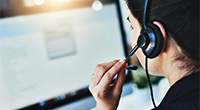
[(110, 74), (119, 81), (100, 70)]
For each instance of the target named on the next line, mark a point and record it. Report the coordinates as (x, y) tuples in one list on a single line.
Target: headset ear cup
[(159, 40)]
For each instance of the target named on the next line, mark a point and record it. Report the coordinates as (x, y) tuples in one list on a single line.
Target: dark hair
[(181, 21)]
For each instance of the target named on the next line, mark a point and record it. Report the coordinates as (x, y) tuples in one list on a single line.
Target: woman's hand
[(107, 95)]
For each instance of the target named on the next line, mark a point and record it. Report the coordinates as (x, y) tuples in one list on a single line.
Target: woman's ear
[(163, 31)]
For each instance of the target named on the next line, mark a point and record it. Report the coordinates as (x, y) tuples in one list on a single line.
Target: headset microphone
[(132, 67), (141, 42)]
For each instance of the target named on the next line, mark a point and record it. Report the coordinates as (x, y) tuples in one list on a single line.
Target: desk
[(140, 99)]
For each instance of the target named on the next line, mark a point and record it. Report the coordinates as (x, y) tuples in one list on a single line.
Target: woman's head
[(180, 19)]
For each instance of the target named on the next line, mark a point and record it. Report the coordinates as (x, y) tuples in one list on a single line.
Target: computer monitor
[(48, 55)]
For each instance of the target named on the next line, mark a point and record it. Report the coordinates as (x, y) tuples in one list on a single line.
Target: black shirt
[(183, 95)]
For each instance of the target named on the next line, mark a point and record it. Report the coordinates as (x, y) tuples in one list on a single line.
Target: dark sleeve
[(180, 106)]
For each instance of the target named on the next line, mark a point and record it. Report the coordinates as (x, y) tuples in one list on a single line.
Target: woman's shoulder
[(183, 95)]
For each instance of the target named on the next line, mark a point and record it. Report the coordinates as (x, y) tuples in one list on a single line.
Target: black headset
[(151, 43), (150, 39)]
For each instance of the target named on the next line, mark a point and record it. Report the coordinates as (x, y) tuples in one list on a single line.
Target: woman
[(178, 21)]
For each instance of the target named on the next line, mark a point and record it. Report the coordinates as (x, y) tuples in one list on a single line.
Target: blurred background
[(49, 50)]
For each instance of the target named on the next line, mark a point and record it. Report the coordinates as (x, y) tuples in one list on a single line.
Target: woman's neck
[(174, 73)]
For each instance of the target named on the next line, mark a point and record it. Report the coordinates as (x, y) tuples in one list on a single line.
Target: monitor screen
[(49, 57)]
